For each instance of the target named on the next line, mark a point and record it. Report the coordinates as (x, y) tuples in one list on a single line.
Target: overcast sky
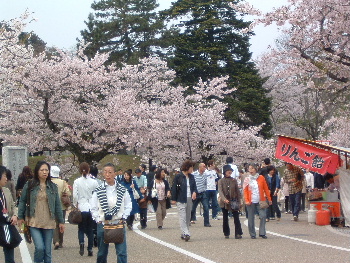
[(59, 22)]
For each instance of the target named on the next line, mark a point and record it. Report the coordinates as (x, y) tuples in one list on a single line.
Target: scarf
[(249, 180), (102, 197)]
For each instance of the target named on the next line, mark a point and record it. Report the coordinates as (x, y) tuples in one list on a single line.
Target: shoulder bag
[(113, 233), (26, 233), (65, 199), (9, 236), (234, 204), (154, 190), (74, 216), (263, 204)]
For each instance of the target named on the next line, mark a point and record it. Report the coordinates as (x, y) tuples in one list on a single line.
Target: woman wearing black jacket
[(163, 191), (184, 190)]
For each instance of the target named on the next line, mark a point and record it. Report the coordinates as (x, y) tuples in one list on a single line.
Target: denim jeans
[(211, 195), (102, 253), (251, 219), (86, 227), (9, 254), (202, 197), (42, 239), (295, 202), (226, 226)]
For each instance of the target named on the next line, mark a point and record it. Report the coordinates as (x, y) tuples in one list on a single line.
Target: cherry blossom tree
[(301, 104), (313, 66), (318, 37), (75, 103), (337, 131)]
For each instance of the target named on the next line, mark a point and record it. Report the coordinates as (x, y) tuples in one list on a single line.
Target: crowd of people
[(121, 197)]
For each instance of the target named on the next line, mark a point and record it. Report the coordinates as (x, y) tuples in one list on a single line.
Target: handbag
[(26, 233), (74, 216), (154, 190), (65, 200), (9, 236), (234, 205), (113, 233), (263, 204)]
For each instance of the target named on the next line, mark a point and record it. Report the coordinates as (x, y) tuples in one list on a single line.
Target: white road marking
[(303, 240), (177, 249), (24, 251)]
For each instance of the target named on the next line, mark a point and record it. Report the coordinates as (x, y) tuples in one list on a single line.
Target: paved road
[(287, 241)]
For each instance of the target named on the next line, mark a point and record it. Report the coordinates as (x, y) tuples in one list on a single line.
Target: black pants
[(86, 227), (130, 220), (143, 217), (286, 203), (225, 225)]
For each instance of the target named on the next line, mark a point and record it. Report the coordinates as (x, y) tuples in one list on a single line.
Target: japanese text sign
[(306, 156)]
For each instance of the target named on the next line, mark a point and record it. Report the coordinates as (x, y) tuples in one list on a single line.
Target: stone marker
[(15, 158)]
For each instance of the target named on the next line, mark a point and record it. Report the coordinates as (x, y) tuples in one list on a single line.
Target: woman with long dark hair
[(130, 184), (23, 177), (40, 206)]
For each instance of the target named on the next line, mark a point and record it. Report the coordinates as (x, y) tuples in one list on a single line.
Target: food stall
[(320, 158)]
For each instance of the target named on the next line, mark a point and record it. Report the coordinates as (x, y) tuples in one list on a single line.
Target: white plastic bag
[(150, 208), (135, 193)]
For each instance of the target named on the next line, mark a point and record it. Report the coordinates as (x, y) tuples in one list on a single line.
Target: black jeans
[(286, 203), (86, 227), (225, 225), (143, 217), (272, 209), (130, 220)]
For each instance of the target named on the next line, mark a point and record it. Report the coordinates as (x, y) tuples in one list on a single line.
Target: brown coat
[(228, 190)]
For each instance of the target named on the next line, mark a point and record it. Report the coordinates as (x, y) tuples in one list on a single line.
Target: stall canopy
[(317, 157)]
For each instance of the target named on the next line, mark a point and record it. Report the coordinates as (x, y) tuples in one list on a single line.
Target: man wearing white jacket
[(110, 204)]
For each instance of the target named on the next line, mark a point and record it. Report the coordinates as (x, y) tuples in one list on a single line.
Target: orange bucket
[(323, 217)]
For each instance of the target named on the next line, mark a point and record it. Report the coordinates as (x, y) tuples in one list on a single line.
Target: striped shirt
[(201, 181)]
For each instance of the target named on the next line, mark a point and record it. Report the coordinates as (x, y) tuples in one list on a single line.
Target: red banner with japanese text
[(306, 156)]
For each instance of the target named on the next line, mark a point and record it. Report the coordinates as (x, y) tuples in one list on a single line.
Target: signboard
[(306, 156)]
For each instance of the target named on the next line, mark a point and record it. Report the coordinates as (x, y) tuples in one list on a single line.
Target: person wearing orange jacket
[(256, 192)]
